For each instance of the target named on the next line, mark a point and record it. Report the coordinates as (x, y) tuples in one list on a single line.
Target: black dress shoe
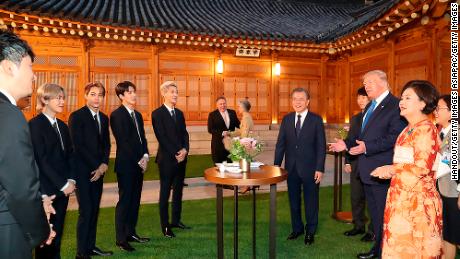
[(368, 255), (354, 232), (82, 256), (125, 246), (167, 232), (368, 237), (138, 239), (96, 251), (185, 184), (309, 239), (180, 225), (294, 235)]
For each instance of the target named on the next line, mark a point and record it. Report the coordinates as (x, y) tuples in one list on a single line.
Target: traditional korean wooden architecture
[(325, 46)]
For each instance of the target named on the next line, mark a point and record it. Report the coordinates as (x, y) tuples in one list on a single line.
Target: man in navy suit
[(380, 127), (169, 126), (89, 130), (130, 164), (301, 141)]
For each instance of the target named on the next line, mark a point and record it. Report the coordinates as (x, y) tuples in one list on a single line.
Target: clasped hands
[(340, 146), (48, 208), (100, 171), (143, 163), (181, 155)]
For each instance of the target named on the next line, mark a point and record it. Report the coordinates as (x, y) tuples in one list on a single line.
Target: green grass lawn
[(200, 242), (195, 165)]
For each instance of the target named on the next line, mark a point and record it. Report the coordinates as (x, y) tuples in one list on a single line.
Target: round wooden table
[(264, 175)]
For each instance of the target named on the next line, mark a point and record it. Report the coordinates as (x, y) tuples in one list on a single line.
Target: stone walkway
[(198, 187)]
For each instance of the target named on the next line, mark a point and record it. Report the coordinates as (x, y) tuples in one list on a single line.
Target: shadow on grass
[(200, 241)]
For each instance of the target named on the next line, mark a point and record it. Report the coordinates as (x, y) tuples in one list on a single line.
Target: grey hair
[(245, 104), (13, 48), (381, 75), (166, 85)]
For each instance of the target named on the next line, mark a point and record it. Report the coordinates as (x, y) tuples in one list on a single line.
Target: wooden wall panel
[(295, 73)]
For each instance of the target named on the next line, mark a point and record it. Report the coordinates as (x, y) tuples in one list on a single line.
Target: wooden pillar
[(323, 91), (391, 66), (85, 73), (274, 89), (155, 96)]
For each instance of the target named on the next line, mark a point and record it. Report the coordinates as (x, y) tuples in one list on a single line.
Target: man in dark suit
[(302, 142), (130, 164), (53, 152), (358, 202), (380, 127), (89, 129), (23, 223), (170, 130), (220, 121)]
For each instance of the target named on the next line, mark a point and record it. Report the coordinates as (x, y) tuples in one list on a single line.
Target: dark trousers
[(89, 199), (221, 156), (13, 244), (53, 251), (376, 196), (171, 177), (129, 199), (311, 202), (358, 200)]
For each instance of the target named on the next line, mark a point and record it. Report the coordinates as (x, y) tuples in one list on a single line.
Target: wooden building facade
[(409, 40)]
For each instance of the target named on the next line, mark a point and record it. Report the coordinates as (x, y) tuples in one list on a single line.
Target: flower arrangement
[(245, 148), (343, 132)]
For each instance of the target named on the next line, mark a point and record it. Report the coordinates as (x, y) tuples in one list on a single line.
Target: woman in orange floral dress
[(413, 212)]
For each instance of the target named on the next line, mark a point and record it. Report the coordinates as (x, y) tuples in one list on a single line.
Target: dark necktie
[(55, 126), (137, 127), (297, 125), (97, 123), (441, 135), (173, 115), (368, 114)]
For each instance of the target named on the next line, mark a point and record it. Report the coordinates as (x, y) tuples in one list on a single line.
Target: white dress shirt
[(303, 115)]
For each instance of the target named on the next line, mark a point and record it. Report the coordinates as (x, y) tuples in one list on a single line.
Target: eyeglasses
[(441, 108)]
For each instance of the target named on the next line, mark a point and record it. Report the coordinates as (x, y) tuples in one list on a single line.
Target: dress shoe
[(125, 246), (185, 184), (167, 232), (180, 225), (354, 232), (82, 256), (368, 255), (138, 239), (368, 237), (96, 251), (294, 235), (309, 239)]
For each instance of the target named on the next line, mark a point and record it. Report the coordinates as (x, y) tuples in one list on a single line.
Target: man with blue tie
[(302, 143), (380, 127)]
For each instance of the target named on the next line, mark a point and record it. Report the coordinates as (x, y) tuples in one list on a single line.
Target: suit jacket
[(54, 164), (306, 153), (172, 136), (446, 186), (379, 135), (130, 149), (355, 130), (20, 197), (91, 148), (216, 125)]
